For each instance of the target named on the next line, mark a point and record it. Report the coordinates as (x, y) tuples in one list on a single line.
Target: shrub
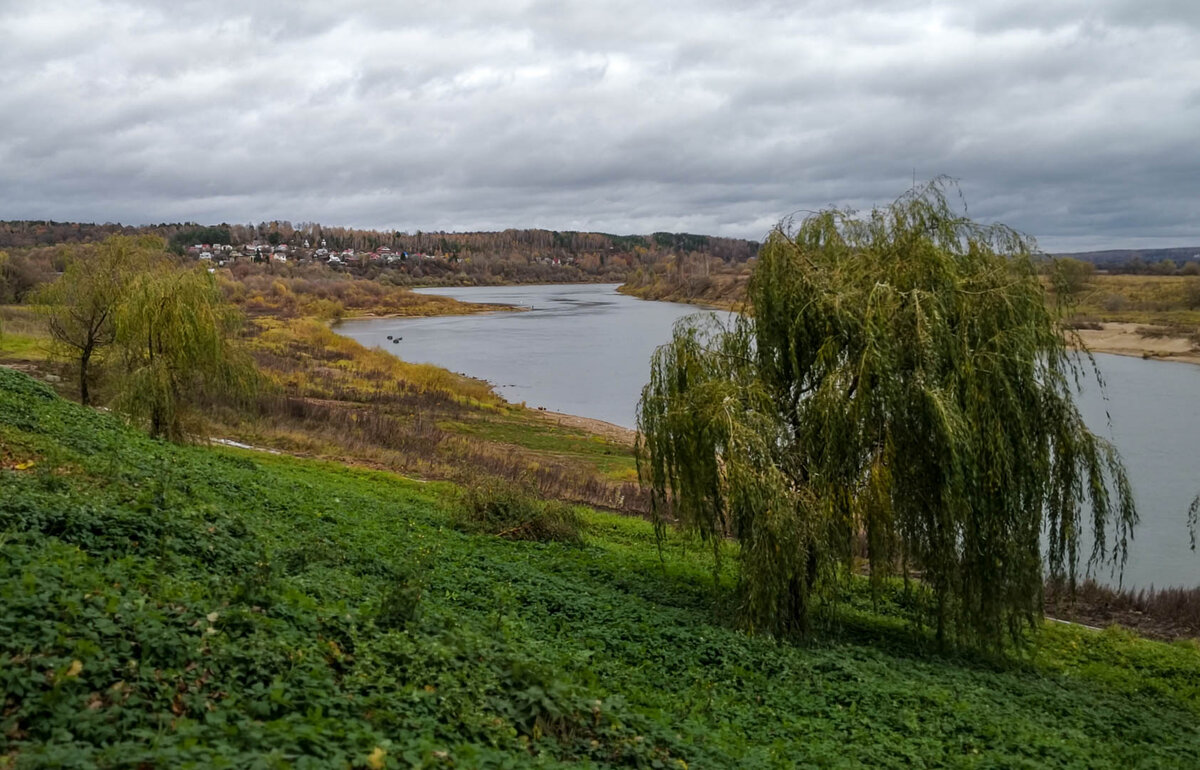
[(513, 510), (1114, 302), (1072, 275), (1191, 293)]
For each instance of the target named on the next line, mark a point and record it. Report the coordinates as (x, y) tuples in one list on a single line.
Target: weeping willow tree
[(176, 335), (897, 385)]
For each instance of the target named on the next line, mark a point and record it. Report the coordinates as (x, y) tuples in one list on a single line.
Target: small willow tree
[(897, 384), (81, 305), (176, 336)]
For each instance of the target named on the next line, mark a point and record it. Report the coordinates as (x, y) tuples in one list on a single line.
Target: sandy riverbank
[(1131, 339)]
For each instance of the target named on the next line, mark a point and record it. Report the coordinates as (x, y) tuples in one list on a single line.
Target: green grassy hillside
[(170, 606)]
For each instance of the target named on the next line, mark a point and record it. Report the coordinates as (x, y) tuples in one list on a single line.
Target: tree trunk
[(85, 356)]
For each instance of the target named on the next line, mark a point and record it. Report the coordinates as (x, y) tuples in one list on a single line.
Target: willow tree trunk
[(85, 357)]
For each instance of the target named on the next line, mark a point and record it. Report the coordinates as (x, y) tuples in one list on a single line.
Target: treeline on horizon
[(1168, 261), (530, 243)]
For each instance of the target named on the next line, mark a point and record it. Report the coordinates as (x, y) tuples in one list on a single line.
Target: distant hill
[(1125, 256)]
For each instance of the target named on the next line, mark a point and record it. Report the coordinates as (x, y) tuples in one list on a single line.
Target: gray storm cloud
[(1072, 121)]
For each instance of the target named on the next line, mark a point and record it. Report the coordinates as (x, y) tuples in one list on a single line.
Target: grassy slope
[(20, 346), (423, 419), (23, 333), (183, 605), (416, 418)]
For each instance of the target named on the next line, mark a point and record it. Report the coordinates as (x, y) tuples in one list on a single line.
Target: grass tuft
[(512, 510)]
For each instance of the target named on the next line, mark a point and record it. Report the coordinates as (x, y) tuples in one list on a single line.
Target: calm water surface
[(586, 350), (582, 349), (1155, 423)]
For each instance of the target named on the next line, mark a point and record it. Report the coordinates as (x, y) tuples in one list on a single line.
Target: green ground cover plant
[(513, 510), (183, 606)]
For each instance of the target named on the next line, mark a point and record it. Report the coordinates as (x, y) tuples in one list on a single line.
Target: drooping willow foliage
[(897, 380), (175, 334)]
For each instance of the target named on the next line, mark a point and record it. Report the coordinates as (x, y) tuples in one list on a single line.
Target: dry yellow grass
[(1150, 316), (314, 292), (24, 320), (1144, 299), (304, 354)]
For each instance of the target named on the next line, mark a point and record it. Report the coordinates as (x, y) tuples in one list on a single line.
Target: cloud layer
[(1075, 121)]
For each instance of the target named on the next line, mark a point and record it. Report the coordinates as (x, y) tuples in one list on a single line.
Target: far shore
[(468, 308), (1139, 340)]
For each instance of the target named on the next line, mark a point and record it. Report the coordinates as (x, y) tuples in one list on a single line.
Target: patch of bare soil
[(1166, 614)]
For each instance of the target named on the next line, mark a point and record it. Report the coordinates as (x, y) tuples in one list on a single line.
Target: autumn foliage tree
[(897, 384), (81, 305)]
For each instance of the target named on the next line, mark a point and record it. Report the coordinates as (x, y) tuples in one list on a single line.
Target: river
[(585, 350)]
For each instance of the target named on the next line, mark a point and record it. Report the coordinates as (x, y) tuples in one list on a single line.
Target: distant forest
[(588, 255), (1138, 260), (530, 243)]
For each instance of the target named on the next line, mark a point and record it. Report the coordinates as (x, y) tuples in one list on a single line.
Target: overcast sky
[(1076, 121)]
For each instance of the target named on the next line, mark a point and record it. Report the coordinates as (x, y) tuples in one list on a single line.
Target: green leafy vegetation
[(81, 305), (180, 240), (178, 606), (512, 510), (171, 332), (176, 337), (899, 385)]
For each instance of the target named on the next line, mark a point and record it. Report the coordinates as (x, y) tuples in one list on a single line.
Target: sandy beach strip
[(1130, 339)]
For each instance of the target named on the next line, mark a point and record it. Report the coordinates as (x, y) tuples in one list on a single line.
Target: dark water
[(586, 350)]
